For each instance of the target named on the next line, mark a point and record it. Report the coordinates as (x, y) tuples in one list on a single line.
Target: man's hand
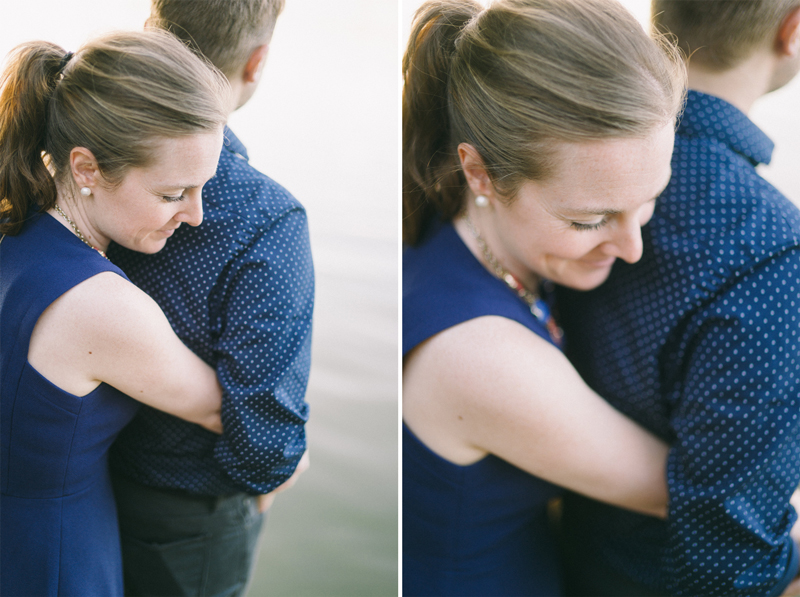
[(265, 501)]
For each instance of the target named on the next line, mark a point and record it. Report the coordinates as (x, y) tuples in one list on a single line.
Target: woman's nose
[(627, 241), (192, 210)]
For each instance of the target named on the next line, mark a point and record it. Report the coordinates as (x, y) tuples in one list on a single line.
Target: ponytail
[(118, 95), (26, 87), (515, 80), (433, 184)]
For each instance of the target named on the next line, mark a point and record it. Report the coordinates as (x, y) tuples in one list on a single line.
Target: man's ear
[(787, 41), (254, 65), (475, 172)]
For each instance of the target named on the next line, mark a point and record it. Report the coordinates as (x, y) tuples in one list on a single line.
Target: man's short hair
[(224, 31), (720, 33)]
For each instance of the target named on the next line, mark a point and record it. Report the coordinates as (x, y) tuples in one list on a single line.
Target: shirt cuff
[(791, 572)]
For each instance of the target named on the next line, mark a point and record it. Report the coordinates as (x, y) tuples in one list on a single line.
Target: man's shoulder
[(240, 193), (718, 199)]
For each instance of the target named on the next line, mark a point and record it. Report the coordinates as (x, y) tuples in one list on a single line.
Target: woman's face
[(145, 209), (572, 227)]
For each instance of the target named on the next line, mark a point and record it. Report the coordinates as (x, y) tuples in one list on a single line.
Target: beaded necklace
[(539, 308)]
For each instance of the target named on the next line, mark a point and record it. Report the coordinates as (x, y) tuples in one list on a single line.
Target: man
[(238, 290), (700, 340)]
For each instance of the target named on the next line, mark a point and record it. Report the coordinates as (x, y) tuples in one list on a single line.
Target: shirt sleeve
[(736, 457), (262, 345)]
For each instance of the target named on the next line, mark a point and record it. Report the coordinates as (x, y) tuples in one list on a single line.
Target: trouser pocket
[(172, 569)]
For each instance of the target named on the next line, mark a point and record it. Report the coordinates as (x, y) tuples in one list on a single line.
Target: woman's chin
[(154, 247), (586, 281), (148, 247)]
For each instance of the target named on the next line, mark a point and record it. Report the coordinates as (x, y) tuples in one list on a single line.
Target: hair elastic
[(67, 57)]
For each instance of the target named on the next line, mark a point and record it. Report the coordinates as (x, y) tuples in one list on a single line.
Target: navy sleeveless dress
[(480, 529), (58, 520)]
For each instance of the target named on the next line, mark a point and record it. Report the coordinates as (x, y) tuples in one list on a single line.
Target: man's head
[(233, 34), (719, 34)]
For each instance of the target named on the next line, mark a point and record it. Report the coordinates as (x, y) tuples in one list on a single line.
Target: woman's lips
[(600, 263)]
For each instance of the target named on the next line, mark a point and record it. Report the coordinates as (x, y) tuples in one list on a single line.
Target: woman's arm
[(107, 330), (490, 385)]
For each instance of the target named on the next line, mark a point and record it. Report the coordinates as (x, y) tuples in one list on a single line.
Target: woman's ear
[(474, 171), (83, 166)]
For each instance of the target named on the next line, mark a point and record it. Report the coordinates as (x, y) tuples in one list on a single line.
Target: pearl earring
[(481, 201), (86, 191)]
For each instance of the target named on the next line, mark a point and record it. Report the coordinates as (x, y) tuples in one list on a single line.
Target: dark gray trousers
[(176, 544)]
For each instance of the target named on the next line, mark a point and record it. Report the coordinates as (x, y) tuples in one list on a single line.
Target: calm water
[(324, 123), (330, 97)]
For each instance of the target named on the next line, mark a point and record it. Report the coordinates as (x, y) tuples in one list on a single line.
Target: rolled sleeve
[(263, 355)]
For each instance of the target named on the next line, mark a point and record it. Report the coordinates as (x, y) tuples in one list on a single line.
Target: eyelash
[(595, 226), (172, 199)]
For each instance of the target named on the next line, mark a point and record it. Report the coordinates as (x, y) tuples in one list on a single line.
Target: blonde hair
[(117, 96), (720, 34), (514, 78), (224, 31)]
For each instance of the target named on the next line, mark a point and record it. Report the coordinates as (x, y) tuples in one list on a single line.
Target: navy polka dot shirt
[(700, 343), (239, 291)]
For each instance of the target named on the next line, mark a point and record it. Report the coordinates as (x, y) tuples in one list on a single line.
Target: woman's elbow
[(212, 422)]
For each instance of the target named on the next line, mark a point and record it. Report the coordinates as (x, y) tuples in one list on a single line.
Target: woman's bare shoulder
[(486, 369), (85, 326), (103, 303), (78, 329), (483, 348)]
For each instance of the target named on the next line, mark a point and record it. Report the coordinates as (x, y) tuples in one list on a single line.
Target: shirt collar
[(709, 116), (231, 143)]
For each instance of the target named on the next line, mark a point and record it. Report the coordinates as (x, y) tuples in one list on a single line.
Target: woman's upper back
[(40, 264), (54, 442), (467, 529)]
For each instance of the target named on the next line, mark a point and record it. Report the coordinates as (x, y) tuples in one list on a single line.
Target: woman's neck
[(75, 217)]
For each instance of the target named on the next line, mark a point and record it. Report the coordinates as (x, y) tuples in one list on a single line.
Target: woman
[(537, 135), (111, 144)]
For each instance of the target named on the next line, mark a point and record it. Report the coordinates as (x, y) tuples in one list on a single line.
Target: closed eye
[(172, 199), (592, 226)]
